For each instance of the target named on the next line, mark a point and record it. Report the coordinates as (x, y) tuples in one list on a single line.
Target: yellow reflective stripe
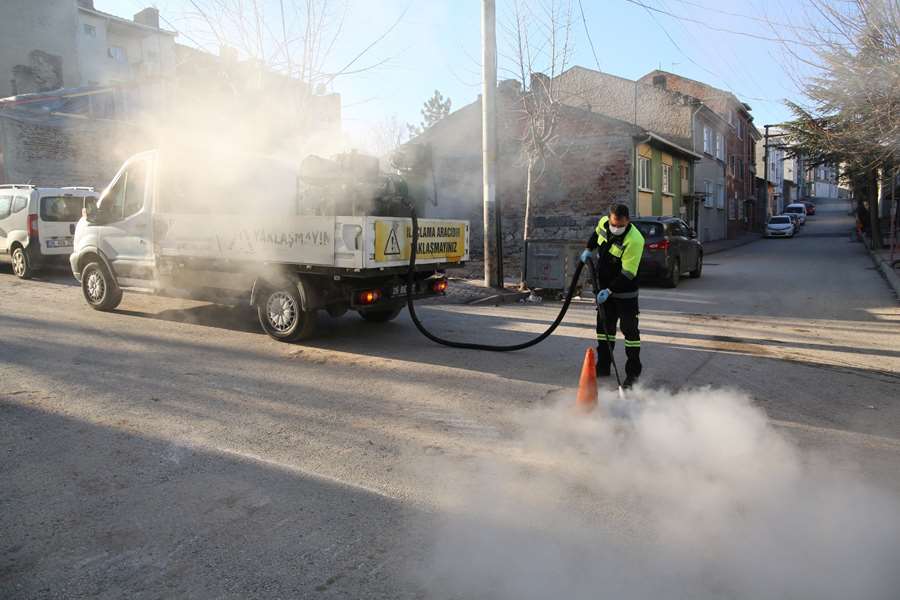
[(632, 343), (611, 338), (601, 230)]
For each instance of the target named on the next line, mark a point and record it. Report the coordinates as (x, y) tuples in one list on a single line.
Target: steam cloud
[(690, 495)]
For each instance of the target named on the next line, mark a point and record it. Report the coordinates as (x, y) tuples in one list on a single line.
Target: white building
[(50, 44), (822, 181), (775, 172)]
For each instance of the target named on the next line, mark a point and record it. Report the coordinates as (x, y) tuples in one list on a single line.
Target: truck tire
[(381, 316), (674, 275), (282, 316), (21, 263), (695, 274), (99, 287)]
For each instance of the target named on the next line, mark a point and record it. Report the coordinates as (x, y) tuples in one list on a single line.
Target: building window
[(731, 165), (733, 208), (666, 179), (117, 53), (708, 194), (684, 172), (720, 147), (720, 196), (708, 141), (740, 129), (644, 173), (90, 30)]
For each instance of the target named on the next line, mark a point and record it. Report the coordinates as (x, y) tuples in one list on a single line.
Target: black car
[(670, 250)]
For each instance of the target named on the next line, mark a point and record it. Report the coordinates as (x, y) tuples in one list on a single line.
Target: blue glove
[(603, 296), (586, 255)]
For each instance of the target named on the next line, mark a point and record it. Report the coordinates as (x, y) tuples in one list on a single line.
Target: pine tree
[(433, 110)]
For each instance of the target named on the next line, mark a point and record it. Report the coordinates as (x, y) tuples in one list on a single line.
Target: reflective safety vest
[(619, 259)]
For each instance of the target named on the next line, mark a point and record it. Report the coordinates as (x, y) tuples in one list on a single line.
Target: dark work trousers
[(624, 313)]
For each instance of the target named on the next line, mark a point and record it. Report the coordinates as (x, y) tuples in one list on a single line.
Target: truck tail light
[(661, 245), (32, 226), (439, 286), (368, 297)]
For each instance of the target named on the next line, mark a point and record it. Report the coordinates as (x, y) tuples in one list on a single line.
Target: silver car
[(780, 226)]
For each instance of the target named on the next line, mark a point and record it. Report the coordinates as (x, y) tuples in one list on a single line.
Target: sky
[(425, 45)]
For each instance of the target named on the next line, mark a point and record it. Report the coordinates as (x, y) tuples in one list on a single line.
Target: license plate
[(59, 243), (398, 291)]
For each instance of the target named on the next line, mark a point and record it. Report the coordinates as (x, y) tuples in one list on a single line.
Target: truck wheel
[(674, 274), (99, 288), (381, 316), (695, 274), (21, 264), (282, 317)]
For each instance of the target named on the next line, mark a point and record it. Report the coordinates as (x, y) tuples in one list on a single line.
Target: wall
[(78, 153), (37, 45), (662, 112), (592, 170), (711, 221)]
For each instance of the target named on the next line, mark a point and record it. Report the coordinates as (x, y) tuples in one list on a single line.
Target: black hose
[(410, 286)]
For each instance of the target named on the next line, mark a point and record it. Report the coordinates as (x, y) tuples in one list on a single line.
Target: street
[(171, 449)]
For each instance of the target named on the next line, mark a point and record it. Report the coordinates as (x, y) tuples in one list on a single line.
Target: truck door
[(5, 221), (125, 236)]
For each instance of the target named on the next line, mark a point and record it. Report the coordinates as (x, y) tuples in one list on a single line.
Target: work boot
[(629, 382)]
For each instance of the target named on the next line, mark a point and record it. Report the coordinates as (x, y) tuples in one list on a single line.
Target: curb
[(501, 298), (886, 271)]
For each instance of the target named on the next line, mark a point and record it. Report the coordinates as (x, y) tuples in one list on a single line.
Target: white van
[(37, 224)]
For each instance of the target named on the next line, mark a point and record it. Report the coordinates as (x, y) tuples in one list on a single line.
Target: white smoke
[(690, 495)]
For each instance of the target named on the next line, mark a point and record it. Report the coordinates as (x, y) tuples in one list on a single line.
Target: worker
[(620, 246)]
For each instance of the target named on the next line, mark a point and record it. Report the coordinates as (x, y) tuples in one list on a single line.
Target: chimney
[(659, 81), (149, 17), (86, 4)]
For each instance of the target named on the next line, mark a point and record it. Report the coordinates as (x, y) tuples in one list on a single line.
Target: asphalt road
[(170, 449)]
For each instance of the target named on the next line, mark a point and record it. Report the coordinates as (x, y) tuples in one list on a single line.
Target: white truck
[(236, 229)]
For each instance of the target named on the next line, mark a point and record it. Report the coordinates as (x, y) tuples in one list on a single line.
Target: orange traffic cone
[(587, 385)]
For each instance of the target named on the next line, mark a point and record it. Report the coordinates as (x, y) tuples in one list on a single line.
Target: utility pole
[(493, 265), (766, 170)]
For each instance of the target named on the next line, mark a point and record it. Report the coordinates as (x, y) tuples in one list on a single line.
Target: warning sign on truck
[(439, 239)]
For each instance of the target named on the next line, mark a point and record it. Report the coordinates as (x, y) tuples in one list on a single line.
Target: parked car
[(810, 207), (795, 220), (671, 249), (798, 209), (780, 226), (37, 224)]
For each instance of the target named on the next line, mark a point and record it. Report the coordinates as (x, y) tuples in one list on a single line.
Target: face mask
[(617, 230)]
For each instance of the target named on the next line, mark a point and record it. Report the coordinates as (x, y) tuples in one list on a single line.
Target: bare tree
[(387, 136), (853, 112), (539, 45), (297, 39)]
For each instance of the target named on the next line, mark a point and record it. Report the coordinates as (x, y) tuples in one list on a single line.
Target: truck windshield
[(64, 208)]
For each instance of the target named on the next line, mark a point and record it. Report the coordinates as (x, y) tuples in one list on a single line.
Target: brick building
[(679, 117), (593, 165), (740, 145)]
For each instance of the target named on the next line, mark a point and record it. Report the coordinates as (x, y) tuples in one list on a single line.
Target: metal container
[(551, 263)]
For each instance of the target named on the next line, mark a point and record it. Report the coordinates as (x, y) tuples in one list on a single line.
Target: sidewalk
[(882, 260), (721, 245)]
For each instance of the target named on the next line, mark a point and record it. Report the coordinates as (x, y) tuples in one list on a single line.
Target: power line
[(749, 17), (719, 29), (588, 34)]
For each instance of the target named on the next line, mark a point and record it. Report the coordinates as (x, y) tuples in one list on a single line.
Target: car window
[(5, 203), (61, 208), (135, 185), (19, 202), (113, 201), (648, 229), (677, 229)]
